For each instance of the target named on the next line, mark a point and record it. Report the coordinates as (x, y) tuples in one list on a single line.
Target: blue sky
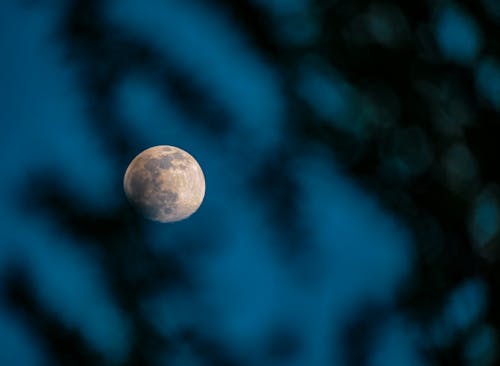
[(355, 251)]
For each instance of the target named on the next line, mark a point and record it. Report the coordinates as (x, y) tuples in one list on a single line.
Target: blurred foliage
[(403, 96)]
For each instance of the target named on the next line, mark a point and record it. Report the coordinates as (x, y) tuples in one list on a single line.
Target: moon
[(164, 183)]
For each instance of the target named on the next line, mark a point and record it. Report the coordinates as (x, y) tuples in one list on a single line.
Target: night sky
[(352, 206)]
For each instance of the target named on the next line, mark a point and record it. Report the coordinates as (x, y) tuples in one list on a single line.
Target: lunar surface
[(164, 183)]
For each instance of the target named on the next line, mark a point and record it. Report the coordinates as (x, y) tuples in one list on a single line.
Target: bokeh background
[(350, 150)]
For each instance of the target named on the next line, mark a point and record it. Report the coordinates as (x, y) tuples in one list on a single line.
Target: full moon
[(164, 183)]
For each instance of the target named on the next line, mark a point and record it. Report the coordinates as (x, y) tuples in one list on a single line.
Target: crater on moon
[(164, 183)]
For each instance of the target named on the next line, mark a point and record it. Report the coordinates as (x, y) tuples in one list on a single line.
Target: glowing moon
[(164, 183)]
